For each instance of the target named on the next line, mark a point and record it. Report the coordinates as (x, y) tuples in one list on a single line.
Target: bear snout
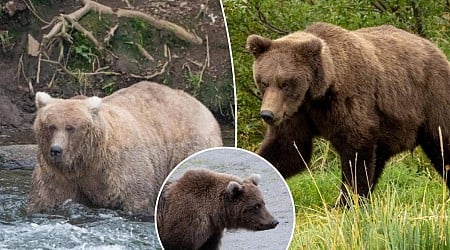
[(275, 223), (270, 225), (268, 116), (56, 152)]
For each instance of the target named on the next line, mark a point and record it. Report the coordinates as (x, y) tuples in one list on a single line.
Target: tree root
[(62, 24), (89, 5), (101, 71), (149, 77), (206, 62)]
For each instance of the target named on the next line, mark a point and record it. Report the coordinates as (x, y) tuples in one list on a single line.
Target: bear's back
[(162, 106), (383, 41), (149, 92)]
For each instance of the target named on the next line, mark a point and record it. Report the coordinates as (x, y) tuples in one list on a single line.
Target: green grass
[(396, 217), (6, 40), (384, 223), (409, 208)]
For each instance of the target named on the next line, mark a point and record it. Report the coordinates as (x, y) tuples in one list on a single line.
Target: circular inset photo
[(225, 198)]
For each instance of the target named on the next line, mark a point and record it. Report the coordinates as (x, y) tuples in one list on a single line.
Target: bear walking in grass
[(194, 210), (115, 152), (373, 93)]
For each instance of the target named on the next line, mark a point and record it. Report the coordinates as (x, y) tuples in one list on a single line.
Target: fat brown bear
[(193, 211), (115, 152), (372, 93)]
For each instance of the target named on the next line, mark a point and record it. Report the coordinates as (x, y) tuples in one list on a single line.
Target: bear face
[(247, 206), (194, 210), (287, 71), (62, 137)]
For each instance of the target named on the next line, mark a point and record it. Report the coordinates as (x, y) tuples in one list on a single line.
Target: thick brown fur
[(194, 210), (372, 92), (116, 151)]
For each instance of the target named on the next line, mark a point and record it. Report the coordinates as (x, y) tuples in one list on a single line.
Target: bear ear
[(42, 99), (311, 48), (255, 179), (257, 45), (318, 55), (234, 189), (94, 103)]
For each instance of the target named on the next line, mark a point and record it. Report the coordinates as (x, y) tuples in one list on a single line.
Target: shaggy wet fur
[(115, 152)]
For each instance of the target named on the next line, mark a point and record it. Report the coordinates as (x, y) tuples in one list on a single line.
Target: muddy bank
[(72, 64)]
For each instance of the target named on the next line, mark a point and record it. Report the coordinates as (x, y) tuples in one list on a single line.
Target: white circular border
[(227, 148)]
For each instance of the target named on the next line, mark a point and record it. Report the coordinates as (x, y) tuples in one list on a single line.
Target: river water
[(70, 226)]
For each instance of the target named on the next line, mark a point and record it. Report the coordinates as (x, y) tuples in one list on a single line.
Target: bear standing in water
[(194, 210), (372, 93), (115, 152)]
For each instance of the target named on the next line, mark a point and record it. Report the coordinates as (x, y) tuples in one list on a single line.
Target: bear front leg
[(48, 189), (212, 243), (278, 146), (357, 166)]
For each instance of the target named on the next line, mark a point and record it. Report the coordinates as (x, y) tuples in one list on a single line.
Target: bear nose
[(267, 116), (275, 223), (55, 151)]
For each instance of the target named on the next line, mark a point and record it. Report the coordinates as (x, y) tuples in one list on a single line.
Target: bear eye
[(262, 88), (51, 127), (285, 86), (256, 207), (70, 128)]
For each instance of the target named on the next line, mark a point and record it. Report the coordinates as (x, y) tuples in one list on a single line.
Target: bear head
[(66, 129), (246, 207), (288, 71)]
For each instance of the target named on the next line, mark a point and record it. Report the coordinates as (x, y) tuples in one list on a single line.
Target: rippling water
[(71, 226)]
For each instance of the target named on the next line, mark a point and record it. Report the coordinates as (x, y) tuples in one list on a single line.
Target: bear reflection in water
[(115, 152), (209, 202)]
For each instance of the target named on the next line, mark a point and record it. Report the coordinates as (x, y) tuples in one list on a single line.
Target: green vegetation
[(6, 40), (194, 80), (410, 206)]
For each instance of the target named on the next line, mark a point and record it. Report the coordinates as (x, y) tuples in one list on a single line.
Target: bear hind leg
[(358, 167), (433, 151)]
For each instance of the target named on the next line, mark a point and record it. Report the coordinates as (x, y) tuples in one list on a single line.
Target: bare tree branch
[(262, 18)]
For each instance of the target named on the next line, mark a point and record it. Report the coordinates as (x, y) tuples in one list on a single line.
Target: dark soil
[(18, 70)]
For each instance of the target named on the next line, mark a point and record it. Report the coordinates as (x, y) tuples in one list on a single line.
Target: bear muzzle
[(271, 225), (268, 116), (56, 153), (274, 224)]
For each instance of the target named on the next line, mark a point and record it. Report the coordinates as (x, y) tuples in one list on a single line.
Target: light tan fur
[(121, 148)]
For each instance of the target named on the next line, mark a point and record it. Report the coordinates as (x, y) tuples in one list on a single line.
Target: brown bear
[(115, 152), (372, 92), (193, 211)]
